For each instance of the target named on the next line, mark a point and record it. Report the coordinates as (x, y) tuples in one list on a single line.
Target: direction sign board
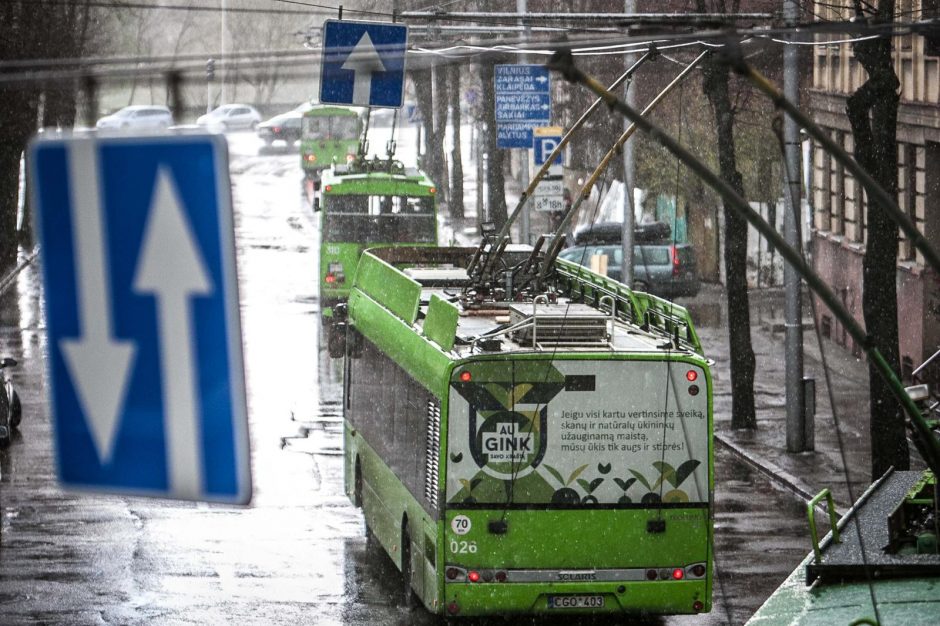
[(144, 344), (523, 101), (363, 63)]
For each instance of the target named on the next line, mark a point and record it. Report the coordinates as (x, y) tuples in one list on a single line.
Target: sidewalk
[(804, 473)]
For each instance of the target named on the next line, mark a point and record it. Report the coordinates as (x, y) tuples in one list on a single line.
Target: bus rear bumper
[(626, 598)]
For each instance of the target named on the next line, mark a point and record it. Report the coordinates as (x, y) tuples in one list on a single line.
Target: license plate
[(575, 602)]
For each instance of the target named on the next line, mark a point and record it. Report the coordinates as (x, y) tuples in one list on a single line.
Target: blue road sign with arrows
[(523, 102), (144, 341), (363, 63)]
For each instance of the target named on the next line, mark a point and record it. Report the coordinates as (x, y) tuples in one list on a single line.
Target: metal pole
[(793, 306), (629, 173), (526, 234), (222, 28)]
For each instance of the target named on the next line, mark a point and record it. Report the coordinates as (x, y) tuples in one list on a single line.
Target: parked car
[(137, 117), (660, 266), (231, 117), (284, 127)]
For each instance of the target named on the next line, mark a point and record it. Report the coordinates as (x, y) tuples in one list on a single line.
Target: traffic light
[(210, 70)]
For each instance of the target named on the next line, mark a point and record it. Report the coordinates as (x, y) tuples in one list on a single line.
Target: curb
[(7, 280), (779, 476)]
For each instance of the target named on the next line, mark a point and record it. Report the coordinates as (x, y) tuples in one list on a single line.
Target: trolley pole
[(799, 433)]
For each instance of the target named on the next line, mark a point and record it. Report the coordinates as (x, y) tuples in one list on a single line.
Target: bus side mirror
[(316, 204)]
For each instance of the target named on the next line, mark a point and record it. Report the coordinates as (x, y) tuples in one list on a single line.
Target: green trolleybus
[(365, 204), (328, 135), (527, 451)]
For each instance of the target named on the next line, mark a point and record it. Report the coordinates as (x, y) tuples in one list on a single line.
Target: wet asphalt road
[(297, 554)]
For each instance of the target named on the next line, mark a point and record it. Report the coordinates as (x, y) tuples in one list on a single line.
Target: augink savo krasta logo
[(508, 443), (508, 430)]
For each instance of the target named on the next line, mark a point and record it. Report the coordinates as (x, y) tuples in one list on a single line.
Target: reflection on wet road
[(297, 554)]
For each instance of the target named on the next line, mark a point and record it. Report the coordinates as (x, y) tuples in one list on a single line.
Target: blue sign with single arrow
[(363, 63), (144, 343)]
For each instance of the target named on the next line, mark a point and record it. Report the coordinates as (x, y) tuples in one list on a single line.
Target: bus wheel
[(357, 485), (408, 597)]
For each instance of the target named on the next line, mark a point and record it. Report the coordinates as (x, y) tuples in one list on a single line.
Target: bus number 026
[(463, 547)]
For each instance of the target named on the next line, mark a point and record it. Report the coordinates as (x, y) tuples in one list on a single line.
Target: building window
[(907, 196), (822, 179), (837, 191)]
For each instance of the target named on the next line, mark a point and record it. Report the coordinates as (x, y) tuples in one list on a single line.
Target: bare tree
[(873, 114), (715, 84), (456, 179)]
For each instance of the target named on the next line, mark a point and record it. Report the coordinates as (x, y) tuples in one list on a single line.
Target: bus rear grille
[(559, 325)]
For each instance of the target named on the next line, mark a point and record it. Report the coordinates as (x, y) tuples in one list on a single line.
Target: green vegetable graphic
[(625, 484), (565, 495), (675, 477)]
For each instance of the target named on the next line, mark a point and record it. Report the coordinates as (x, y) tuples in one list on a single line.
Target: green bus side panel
[(441, 323), (385, 502), (911, 602), (395, 291), (423, 360)]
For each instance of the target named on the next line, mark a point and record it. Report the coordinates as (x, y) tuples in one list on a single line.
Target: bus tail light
[(350, 158), (691, 376), (473, 576), (453, 609), (698, 570), (678, 573), (328, 188), (335, 274), (310, 158), (433, 190), (500, 577), (651, 574), (698, 605), (676, 264)]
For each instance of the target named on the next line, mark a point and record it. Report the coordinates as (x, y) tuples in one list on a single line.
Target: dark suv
[(660, 266)]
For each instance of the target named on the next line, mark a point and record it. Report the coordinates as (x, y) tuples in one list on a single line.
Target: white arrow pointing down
[(97, 362), (171, 268)]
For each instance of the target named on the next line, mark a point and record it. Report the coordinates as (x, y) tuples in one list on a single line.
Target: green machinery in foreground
[(369, 203), (532, 447), (883, 553)]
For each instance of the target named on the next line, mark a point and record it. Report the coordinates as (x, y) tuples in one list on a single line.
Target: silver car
[(137, 117), (230, 117)]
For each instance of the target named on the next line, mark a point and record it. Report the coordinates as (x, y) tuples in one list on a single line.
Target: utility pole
[(799, 425), (525, 236), (629, 172)]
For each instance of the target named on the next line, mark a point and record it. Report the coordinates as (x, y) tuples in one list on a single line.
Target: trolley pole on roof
[(629, 174), (799, 425)]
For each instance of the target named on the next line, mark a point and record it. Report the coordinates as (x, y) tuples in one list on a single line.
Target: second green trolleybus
[(529, 452)]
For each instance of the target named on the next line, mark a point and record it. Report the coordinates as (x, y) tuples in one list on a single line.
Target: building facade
[(838, 201)]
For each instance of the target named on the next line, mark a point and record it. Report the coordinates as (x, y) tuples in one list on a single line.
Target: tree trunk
[(873, 114), (496, 181), (715, 84), (436, 150), (456, 178), (424, 95)]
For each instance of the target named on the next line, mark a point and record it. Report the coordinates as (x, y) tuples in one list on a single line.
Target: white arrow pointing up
[(171, 268), (363, 61), (97, 362)]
